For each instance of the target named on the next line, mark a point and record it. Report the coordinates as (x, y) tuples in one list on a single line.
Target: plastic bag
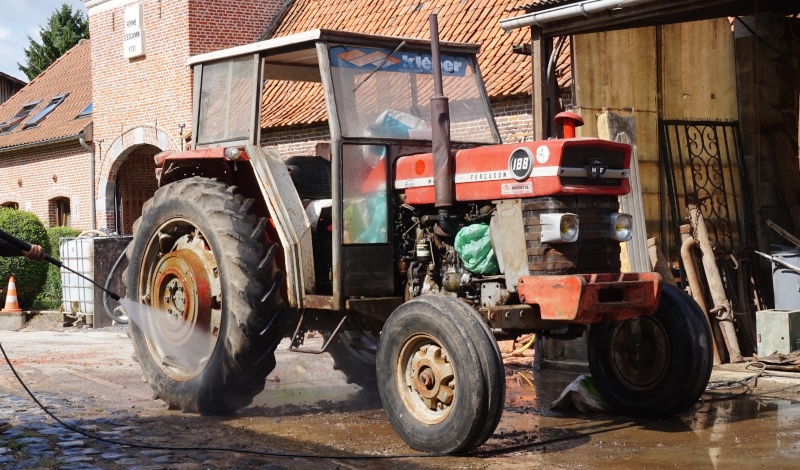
[(474, 247), (582, 395)]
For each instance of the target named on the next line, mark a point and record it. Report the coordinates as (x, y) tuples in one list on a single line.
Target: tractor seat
[(311, 176)]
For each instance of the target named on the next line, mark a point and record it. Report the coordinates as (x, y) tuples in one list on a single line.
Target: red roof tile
[(506, 74), (70, 74)]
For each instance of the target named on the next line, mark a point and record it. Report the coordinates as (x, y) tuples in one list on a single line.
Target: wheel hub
[(183, 288), (640, 352), (431, 375), (183, 291)]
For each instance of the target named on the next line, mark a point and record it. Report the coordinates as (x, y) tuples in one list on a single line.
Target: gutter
[(40, 143), (582, 9)]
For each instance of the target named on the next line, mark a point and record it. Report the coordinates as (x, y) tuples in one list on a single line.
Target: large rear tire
[(440, 375), (201, 261), (353, 353), (653, 366)]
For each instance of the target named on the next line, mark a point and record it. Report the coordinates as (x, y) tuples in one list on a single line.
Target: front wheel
[(440, 375), (653, 366)]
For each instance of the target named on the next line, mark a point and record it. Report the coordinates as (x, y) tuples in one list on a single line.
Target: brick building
[(44, 158), (141, 88)]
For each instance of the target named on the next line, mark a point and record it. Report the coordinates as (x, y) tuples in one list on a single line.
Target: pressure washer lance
[(25, 246)]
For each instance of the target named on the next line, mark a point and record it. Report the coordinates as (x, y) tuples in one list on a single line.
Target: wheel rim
[(639, 352), (426, 379), (183, 287)]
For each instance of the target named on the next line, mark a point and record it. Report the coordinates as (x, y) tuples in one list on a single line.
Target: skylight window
[(87, 111), (11, 124), (39, 117)]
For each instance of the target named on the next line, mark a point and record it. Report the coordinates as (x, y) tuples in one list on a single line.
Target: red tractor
[(414, 244)]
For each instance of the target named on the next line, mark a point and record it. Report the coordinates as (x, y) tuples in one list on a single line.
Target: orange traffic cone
[(12, 305)]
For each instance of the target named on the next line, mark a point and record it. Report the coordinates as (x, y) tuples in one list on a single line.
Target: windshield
[(379, 93)]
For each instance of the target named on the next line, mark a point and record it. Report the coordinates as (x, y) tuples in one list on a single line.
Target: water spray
[(25, 246)]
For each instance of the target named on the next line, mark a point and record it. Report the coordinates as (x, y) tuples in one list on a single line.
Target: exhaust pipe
[(440, 127), (440, 135)]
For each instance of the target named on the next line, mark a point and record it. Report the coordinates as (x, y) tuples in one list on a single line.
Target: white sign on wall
[(133, 40)]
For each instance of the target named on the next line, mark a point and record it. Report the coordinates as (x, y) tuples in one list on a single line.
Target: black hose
[(106, 287), (25, 246)]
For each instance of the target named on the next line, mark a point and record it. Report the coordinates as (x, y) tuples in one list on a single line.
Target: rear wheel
[(200, 261), (655, 365), (353, 354), (440, 375)]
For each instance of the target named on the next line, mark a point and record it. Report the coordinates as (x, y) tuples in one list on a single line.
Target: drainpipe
[(586, 9), (90, 149), (694, 281)]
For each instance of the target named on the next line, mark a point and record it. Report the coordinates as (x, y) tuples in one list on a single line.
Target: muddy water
[(722, 432), (755, 430), (307, 407)]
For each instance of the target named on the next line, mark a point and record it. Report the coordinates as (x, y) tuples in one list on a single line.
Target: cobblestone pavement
[(36, 441)]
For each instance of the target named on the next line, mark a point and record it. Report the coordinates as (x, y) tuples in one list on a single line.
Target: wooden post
[(722, 310), (610, 126)]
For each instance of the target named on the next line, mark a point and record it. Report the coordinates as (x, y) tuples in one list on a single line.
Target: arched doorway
[(135, 184)]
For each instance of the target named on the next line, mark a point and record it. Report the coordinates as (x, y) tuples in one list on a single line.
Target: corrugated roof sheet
[(505, 73), (70, 73)]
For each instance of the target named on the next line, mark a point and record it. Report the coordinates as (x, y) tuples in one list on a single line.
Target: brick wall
[(296, 140), (513, 117), (35, 177)]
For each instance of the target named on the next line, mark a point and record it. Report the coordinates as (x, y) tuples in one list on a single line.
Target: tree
[(64, 29)]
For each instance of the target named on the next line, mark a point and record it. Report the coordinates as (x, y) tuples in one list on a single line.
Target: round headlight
[(622, 228), (569, 228)]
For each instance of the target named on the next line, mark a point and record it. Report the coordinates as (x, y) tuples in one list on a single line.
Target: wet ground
[(311, 417)]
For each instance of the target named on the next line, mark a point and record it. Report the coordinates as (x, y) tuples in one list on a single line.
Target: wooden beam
[(661, 13)]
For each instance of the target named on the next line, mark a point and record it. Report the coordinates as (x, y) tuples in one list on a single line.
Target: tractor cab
[(375, 92)]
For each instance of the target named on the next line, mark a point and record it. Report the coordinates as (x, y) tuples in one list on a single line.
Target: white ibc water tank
[(77, 292)]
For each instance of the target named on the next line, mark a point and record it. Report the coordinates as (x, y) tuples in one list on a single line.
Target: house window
[(10, 205), (13, 122), (39, 117), (87, 111), (60, 209)]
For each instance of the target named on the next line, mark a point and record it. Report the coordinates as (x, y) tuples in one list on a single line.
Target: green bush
[(50, 297), (30, 275)]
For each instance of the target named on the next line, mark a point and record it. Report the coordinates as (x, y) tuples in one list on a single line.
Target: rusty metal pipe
[(694, 284), (440, 128), (723, 311)]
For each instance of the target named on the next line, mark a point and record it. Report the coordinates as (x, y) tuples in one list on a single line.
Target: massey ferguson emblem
[(595, 170), (520, 163)]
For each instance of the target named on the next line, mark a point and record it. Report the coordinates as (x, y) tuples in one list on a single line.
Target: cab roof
[(297, 46)]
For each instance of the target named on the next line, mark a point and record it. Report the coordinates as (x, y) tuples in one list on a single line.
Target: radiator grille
[(593, 253)]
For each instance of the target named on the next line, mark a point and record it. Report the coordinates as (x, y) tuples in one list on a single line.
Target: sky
[(20, 19)]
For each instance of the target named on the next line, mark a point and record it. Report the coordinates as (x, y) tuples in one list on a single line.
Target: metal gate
[(705, 158)]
